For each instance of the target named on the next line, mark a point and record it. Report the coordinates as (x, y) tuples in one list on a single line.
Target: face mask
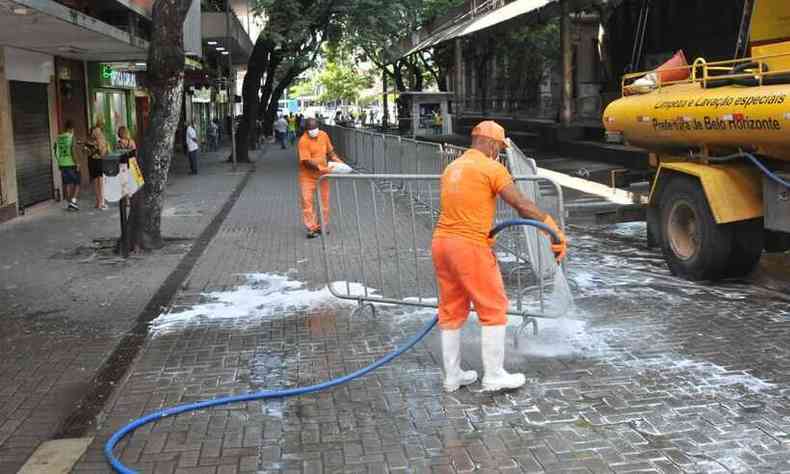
[(313, 133)]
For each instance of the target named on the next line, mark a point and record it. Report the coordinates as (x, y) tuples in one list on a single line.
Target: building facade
[(83, 61), (507, 58), (48, 52)]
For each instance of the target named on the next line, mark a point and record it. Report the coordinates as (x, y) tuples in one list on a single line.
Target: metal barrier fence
[(378, 245), (386, 154)]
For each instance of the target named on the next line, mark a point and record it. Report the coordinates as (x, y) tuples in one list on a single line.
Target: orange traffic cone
[(676, 69)]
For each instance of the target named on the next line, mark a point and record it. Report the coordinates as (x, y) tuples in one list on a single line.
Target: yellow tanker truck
[(718, 134)]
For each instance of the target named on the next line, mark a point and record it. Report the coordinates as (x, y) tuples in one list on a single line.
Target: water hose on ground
[(116, 438)]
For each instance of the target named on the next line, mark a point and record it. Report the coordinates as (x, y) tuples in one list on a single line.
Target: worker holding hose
[(315, 153), (466, 267)]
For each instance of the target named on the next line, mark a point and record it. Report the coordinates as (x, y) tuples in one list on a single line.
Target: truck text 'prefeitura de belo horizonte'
[(718, 134)]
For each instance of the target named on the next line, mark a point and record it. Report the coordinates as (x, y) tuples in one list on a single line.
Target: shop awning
[(51, 28), (493, 18), (508, 12), (500, 15)]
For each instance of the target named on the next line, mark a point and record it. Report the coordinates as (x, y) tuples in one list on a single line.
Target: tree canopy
[(342, 82), (368, 30), (375, 30)]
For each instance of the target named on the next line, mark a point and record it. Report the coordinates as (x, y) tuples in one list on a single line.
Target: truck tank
[(690, 116), (719, 143)]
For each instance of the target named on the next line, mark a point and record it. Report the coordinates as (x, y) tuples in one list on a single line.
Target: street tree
[(342, 82), (287, 46), (165, 82), (375, 29), (278, 82)]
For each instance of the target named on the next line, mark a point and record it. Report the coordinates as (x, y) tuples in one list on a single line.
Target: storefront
[(202, 111), (112, 94), (32, 102)]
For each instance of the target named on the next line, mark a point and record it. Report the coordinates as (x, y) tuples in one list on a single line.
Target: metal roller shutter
[(30, 115)]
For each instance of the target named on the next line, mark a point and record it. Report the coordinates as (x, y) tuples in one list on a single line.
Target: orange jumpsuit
[(466, 267), (315, 150)]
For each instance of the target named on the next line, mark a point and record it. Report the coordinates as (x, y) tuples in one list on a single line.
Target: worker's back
[(469, 187)]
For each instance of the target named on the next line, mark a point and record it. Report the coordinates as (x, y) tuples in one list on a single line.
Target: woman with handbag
[(97, 149)]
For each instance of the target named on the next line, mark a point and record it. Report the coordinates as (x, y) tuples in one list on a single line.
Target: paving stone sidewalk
[(653, 374), (67, 299)]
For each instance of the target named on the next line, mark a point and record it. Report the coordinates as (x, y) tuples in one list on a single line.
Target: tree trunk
[(435, 70), (257, 65), (267, 89), (399, 83), (566, 106), (165, 80), (274, 101), (271, 115), (415, 74), (271, 111)]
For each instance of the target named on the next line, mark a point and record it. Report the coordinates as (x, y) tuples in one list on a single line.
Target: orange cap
[(492, 130)]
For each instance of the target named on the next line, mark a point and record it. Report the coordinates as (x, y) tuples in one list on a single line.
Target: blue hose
[(116, 438), (771, 175), (759, 164)]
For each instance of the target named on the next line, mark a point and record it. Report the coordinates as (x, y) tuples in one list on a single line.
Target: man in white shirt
[(192, 147), (281, 131)]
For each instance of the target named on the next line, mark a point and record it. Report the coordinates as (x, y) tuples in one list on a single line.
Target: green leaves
[(342, 82)]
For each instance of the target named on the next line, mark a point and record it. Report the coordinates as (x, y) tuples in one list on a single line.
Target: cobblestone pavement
[(67, 300), (652, 374)]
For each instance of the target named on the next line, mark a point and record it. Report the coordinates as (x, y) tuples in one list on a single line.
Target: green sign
[(103, 75)]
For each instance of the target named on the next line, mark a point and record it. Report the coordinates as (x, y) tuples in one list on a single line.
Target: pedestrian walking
[(220, 131), (192, 148), (281, 131), (438, 122), (97, 149), (292, 129), (315, 151), (466, 268), (69, 170), (213, 136)]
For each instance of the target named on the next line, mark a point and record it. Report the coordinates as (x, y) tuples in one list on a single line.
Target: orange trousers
[(468, 272), (308, 185)]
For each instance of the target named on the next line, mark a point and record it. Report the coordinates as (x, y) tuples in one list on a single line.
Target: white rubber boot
[(492, 343), (454, 377)]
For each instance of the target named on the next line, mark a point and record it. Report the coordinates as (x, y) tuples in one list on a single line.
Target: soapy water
[(267, 296), (614, 262)]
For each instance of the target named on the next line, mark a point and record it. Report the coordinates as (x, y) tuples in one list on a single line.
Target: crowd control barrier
[(376, 153), (377, 245)]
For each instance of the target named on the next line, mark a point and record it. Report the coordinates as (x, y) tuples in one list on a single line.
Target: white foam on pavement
[(264, 295)]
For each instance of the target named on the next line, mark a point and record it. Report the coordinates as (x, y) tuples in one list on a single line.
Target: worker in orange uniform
[(315, 152), (466, 267)]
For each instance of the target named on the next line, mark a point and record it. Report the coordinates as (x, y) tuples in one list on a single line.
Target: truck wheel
[(747, 247), (694, 246)]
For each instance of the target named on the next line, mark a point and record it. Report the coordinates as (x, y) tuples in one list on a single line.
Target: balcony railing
[(114, 14)]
